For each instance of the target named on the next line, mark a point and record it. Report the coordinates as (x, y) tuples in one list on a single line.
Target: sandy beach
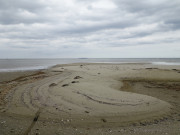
[(91, 99)]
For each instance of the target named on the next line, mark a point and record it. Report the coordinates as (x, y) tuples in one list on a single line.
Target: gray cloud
[(20, 11), (87, 25)]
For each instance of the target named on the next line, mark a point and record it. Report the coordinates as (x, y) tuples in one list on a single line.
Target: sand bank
[(88, 97)]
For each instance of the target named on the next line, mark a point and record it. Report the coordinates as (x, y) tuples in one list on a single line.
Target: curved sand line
[(90, 97)]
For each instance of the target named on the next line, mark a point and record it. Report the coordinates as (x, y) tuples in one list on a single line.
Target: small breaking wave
[(24, 68), (165, 63)]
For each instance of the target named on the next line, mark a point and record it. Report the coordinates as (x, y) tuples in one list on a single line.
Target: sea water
[(8, 65)]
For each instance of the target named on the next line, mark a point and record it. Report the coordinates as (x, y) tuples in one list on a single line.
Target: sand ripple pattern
[(57, 95)]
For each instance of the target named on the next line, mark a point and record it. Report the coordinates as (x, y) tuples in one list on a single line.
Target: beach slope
[(87, 97)]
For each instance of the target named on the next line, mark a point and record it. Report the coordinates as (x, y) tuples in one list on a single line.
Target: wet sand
[(91, 99)]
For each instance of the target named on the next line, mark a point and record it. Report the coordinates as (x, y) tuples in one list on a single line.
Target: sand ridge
[(87, 95)]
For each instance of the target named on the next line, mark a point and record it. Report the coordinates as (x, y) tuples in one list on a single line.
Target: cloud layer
[(89, 28)]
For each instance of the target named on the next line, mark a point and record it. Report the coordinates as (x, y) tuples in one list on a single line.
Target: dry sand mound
[(83, 95)]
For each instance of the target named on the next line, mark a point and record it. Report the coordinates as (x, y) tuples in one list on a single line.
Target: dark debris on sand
[(77, 77), (52, 84), (103, 120), (64, 85), (75, 82)]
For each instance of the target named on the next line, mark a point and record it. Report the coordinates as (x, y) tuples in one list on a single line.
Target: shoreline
[(103, 95), (47, 66)]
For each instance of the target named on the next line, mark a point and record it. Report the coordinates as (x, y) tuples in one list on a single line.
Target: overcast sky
[(89, 28)]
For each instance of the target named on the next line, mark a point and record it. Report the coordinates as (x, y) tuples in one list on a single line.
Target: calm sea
[(8, 65)]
